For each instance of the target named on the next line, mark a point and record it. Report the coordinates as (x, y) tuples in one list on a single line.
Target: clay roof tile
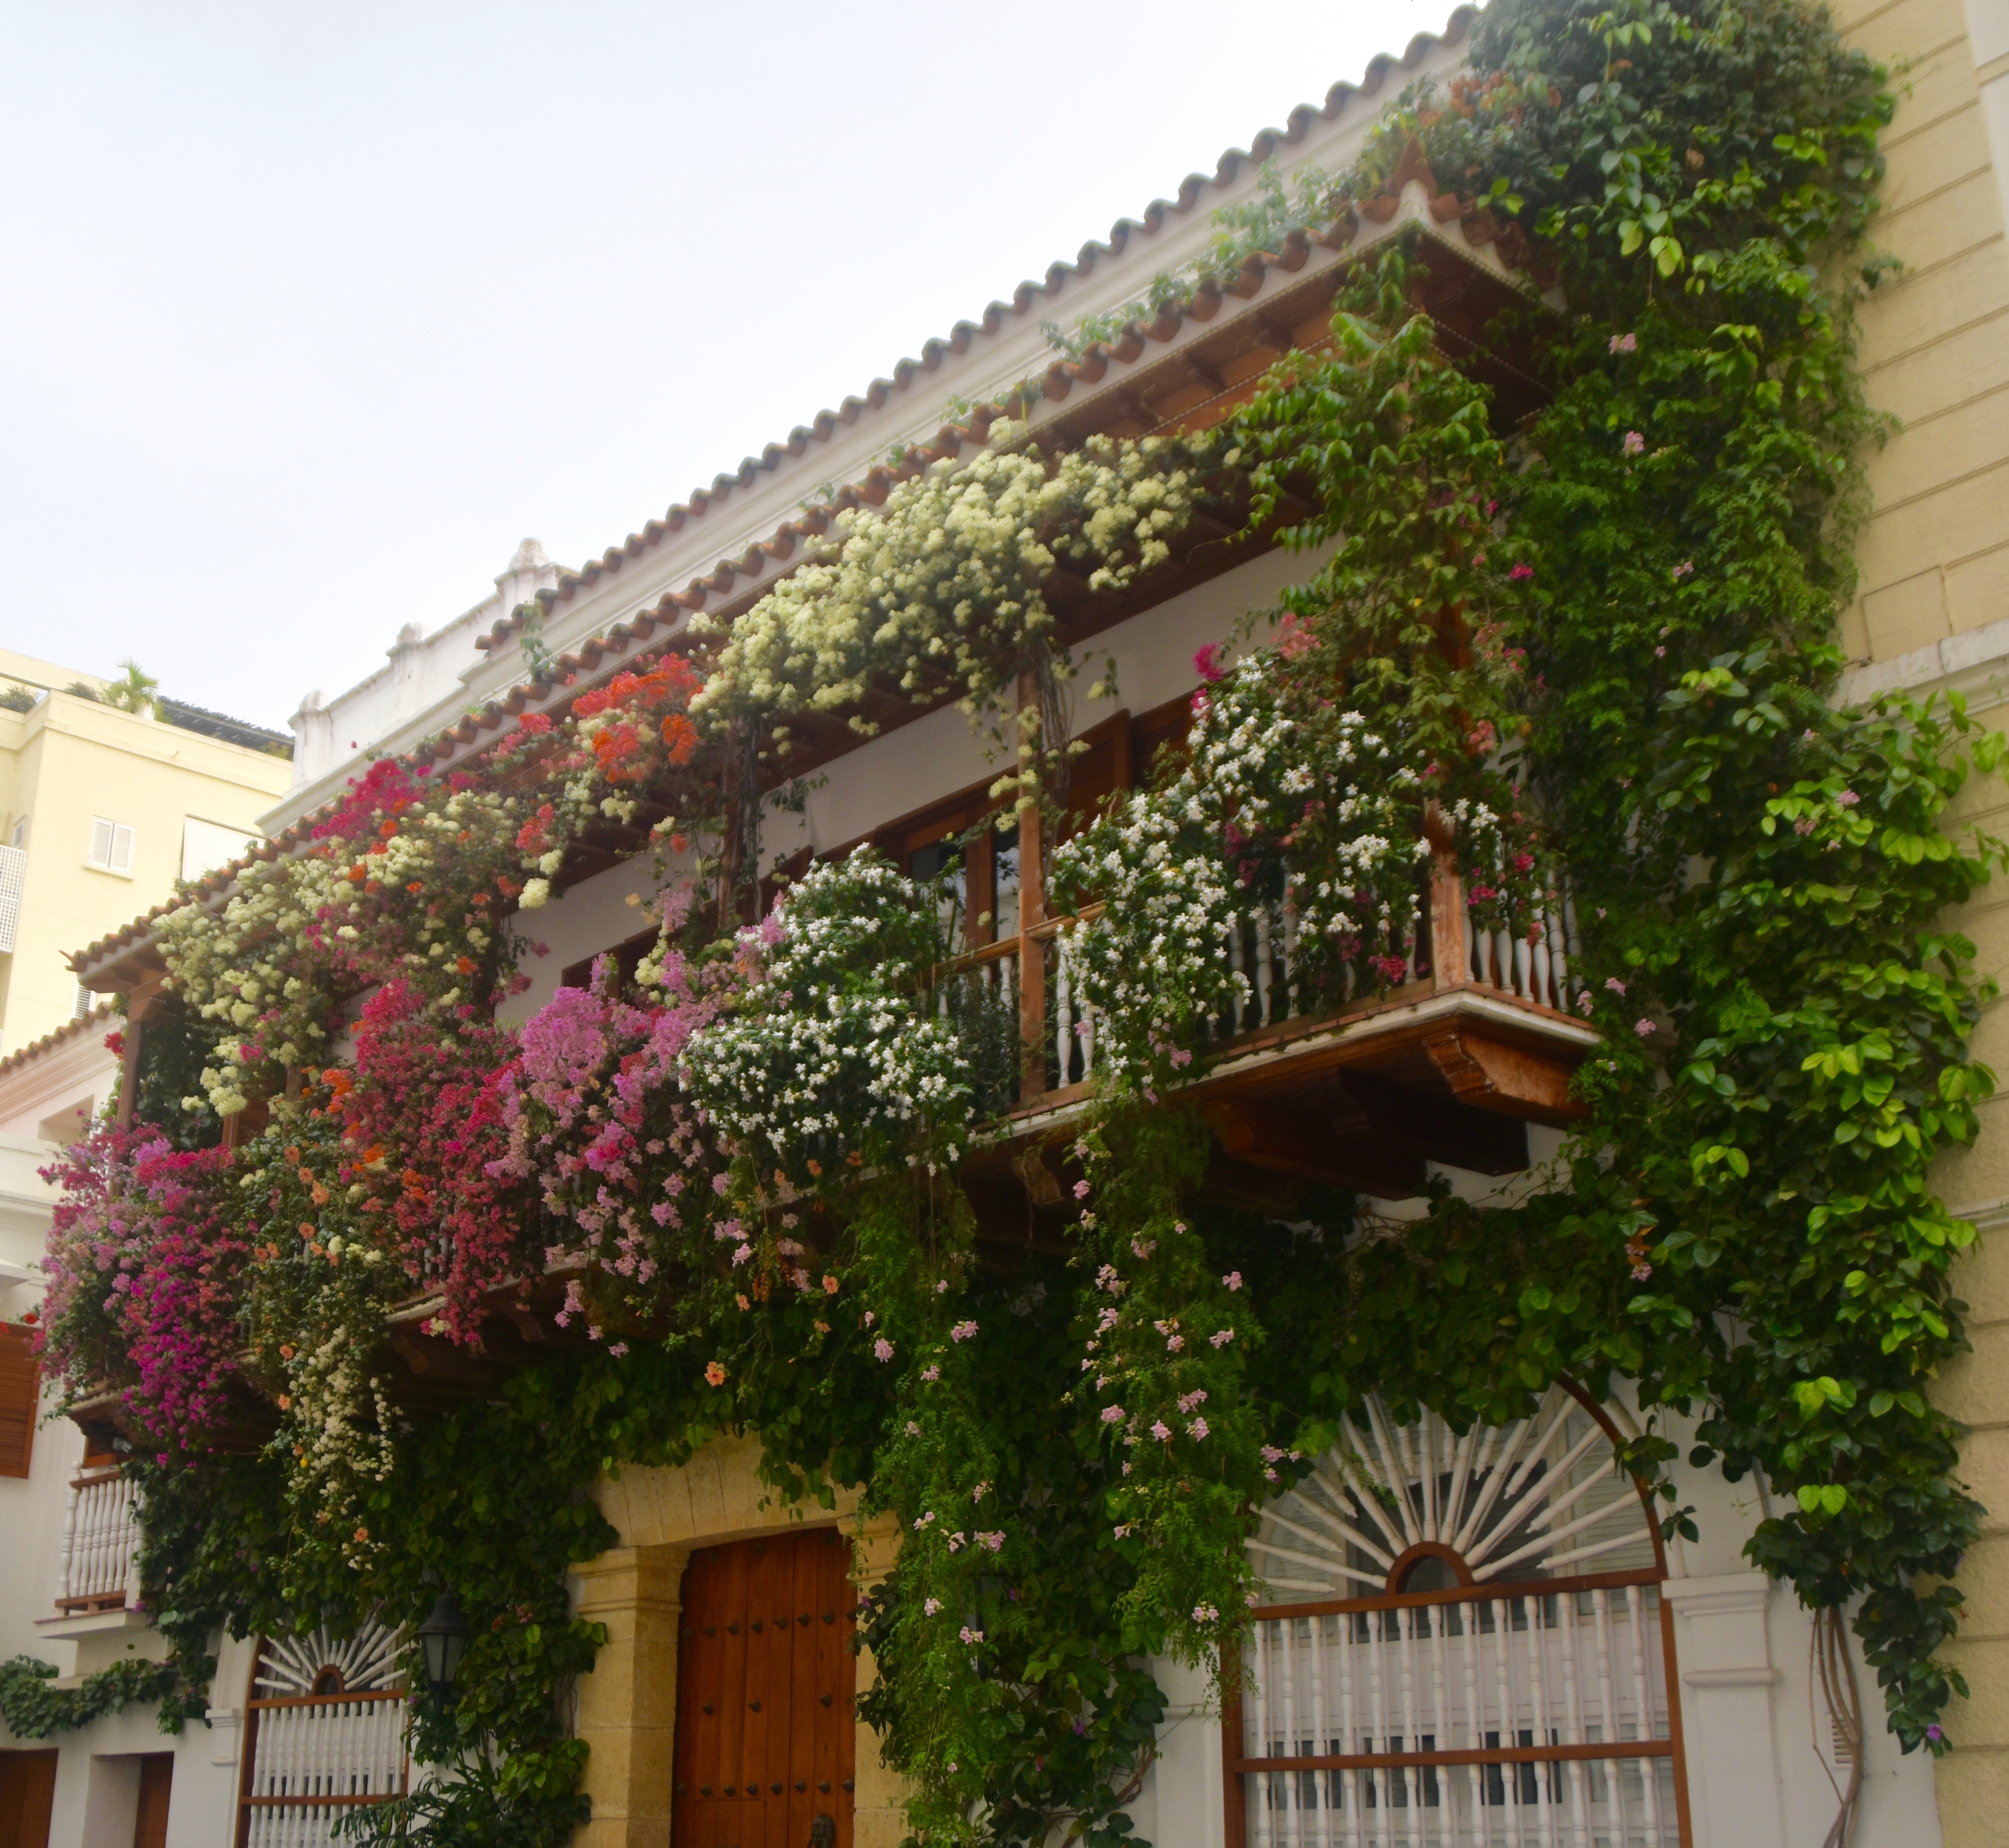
[(70, 1029)]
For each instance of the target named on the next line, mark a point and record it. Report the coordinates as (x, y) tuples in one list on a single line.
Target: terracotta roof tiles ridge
[(1477, 224), (70, 1029), (1226, 169)]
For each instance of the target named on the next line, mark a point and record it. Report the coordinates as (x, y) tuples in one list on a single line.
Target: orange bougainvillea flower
[(680, 735), (414, 886), (465, 965)]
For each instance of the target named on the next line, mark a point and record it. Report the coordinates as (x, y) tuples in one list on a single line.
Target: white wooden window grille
[(13, 885), (325, 1731), (1462, 1645), (110, 846)]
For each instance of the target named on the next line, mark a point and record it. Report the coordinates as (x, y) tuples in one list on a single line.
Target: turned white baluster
[(1265, 976), (1064, 1016)]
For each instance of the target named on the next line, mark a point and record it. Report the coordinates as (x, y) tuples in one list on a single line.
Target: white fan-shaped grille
[(1540, 1498), (305, 1664)]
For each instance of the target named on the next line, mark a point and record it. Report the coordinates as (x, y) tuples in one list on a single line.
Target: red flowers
[(387, 790), (430, 1103)]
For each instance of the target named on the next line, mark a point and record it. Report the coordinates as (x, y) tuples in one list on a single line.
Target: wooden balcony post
[(143, 1003), (1448, 964), (66, 1588), (129, 1071), (1031, 911)]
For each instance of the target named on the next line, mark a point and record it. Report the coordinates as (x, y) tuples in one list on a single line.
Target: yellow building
[(100, 812), (1934, 612)]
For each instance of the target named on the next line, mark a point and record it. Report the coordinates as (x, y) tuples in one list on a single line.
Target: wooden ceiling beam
[(1287, 1138)]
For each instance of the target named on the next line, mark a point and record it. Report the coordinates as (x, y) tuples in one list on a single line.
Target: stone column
[(627, 1704), (1727, 1678), (879, 1815)]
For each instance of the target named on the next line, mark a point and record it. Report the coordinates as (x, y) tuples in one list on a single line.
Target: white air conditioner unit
[(13, 883)]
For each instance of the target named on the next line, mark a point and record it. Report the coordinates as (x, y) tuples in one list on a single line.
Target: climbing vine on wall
[(1610, 632)]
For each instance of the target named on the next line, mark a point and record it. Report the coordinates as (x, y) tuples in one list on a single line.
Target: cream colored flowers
[(941, 589)]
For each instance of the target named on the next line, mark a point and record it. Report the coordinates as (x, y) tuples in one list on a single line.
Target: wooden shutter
[(100, 842), (27, 1797), (19, 1377), (122, 847), (766, 1729)]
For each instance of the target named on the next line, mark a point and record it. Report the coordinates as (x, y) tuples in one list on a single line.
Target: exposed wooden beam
[(1496, 1075)]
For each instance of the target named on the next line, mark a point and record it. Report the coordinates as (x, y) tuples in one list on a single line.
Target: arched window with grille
[(324, 1731), (1461, 1643)]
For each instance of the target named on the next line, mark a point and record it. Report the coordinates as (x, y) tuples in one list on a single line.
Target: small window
[(19, 837), (19, 1381), (110, 846)]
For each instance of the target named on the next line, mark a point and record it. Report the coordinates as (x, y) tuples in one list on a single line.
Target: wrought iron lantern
[(443, 1636)]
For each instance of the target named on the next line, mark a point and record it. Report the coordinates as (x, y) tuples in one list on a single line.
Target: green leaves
[(1764, 872), (33, 1706), (1757, 876)]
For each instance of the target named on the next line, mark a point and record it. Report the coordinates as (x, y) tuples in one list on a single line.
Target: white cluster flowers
[(829, 1054), (1318, 828), (341, 1429), (941, 586)]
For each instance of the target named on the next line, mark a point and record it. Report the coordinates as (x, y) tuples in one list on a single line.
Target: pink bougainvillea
[(144, 1273)]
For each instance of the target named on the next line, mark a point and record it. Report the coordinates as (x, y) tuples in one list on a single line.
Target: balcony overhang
[(1364, 1100)]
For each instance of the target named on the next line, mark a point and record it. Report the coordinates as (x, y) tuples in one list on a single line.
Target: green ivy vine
[(1630, 602), (32, 1708)]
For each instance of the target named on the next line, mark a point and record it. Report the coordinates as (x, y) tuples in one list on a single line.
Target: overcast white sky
[(311, 312)]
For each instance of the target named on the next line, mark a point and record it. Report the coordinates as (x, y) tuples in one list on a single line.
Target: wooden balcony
[(1447, 1065)]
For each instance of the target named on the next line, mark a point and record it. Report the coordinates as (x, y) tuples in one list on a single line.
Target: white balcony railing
[(100, 1544), (1026, 990)]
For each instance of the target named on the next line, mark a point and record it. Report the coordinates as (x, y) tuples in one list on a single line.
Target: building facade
[(1933, 613), (1678, 1647)]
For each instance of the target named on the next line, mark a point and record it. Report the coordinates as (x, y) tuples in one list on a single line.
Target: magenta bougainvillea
[(145, 1272)]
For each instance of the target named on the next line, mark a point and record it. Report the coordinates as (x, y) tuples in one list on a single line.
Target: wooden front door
[(764, 1679)]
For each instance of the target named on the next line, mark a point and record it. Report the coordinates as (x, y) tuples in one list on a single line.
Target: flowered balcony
[(1470, 1006)]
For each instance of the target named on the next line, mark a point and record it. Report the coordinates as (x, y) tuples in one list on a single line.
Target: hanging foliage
[(1610, 638)]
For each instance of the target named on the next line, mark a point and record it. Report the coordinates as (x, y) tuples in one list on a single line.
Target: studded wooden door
[(764, 1680)]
